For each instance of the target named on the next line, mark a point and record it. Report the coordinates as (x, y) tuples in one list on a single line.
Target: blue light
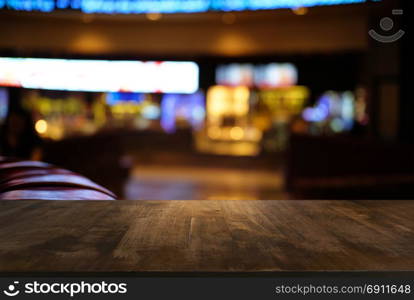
[(318, 113), (163, 6), (190, 107), (63, 4), (336, 108), (151, 112), (4, 103), (168, 112), (75, 4), (29, 5), (116, 97)]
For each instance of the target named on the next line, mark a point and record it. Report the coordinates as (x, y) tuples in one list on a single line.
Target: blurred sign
[(285, 102), (270, 75), (162, 6), (100, 75)]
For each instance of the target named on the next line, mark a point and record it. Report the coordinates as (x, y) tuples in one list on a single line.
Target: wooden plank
[(140, 236)]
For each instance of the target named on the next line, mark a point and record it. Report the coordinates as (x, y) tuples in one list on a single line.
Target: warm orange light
[(214, 132), (300, 11), (154, 16), (41, 126), (218, 99), (236, 133), (225, 101), (241, 100)]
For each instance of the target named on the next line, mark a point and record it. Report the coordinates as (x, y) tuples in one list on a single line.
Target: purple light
[(318, 113), (189, 107)]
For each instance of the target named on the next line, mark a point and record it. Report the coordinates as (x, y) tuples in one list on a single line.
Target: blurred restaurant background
[(213, 99)]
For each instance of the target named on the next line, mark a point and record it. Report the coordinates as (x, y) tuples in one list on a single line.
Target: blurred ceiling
[(314, 30)]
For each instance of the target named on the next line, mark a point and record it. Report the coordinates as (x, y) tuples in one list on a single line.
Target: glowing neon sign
[(162, 6), (100, 75)]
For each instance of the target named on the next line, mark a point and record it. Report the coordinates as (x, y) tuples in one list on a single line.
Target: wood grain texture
[(139, 236)]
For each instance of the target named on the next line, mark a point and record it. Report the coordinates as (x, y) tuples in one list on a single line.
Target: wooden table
[(204, 236)]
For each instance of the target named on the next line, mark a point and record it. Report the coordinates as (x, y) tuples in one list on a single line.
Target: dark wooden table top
[(139, 236)]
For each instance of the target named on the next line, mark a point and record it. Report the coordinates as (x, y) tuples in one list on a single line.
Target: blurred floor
[(156, 182)]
